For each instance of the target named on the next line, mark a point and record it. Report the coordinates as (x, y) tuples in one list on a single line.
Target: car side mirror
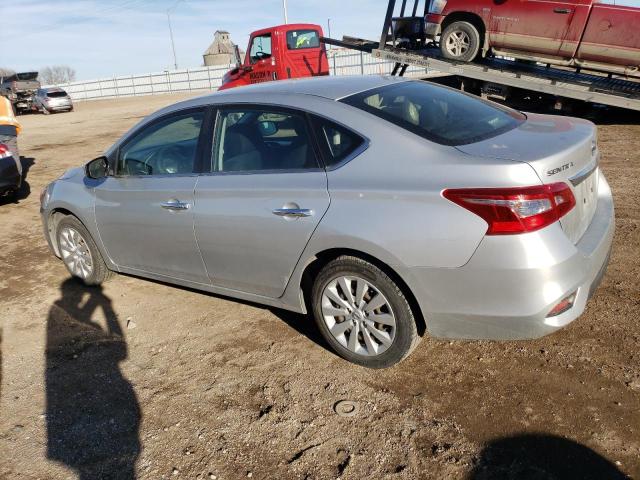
[(97, 168)]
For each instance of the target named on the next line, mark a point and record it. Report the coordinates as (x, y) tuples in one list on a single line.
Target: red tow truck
[(562, 39), (281, 52)]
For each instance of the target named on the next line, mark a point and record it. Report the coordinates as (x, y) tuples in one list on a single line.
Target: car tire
[(376, 345), (80, 253), (460, 41)]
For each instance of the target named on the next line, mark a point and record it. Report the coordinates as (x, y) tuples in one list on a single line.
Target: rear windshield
[(437, 113), (301, 39), (56, 94)]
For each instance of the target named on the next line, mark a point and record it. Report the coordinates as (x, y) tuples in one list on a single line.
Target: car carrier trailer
[(404, 42)]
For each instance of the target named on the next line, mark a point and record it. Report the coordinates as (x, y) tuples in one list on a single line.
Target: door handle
[(175, 205), (562, 10), (293, 212)]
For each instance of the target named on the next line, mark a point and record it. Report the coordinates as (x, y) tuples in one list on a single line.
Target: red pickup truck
[(595, 34)]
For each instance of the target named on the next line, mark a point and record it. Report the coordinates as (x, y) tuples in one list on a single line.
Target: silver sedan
[(387, 208)]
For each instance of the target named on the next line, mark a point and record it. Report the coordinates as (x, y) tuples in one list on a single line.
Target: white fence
[(341, 62)]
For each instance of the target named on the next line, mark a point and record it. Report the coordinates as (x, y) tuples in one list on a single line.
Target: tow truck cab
[(278, 53)]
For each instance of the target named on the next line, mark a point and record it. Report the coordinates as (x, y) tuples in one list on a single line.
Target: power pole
[(286, 16), (173, 45)]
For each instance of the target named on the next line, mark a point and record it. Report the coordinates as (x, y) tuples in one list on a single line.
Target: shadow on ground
[(25, 189), (542, 457), (93, 415)]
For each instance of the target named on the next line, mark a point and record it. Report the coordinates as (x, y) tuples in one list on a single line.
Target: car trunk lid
[(559, 149)]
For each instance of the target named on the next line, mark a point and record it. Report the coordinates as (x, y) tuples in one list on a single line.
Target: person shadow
[(92, 412), (25, 189), (542, 457)]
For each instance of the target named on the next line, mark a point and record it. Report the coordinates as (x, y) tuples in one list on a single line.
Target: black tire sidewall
[(474, 36), (100, 271), (406, 329)]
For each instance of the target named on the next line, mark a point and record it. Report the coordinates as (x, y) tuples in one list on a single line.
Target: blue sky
[(120, 37)]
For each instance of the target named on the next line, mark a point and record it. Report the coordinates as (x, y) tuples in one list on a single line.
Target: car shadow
[(304, 324), (92, 414), (25, 189), (301, 323), (541, 457)]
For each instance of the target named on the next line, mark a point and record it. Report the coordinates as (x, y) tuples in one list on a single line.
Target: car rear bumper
[(511, 283), (59, 108)]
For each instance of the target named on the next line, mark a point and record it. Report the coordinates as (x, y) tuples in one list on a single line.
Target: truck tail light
[(510, 211), (4, 151), (437, 6)]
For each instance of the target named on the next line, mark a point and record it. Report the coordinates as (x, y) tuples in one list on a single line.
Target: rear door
[(613, 33), (531, 26), (264, 197)]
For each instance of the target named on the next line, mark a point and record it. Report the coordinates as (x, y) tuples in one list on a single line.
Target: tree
[(6, 72), (57, 74)]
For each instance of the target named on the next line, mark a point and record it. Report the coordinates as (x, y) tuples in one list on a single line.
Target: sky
[(121, 37)]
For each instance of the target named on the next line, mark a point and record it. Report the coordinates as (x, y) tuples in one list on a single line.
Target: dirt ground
[(143, 380)]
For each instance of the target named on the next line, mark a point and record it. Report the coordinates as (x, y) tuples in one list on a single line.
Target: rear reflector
[(510, 211), (564, 305)]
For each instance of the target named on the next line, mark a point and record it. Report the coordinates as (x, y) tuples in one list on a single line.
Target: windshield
[(58, 94), (437, 113)]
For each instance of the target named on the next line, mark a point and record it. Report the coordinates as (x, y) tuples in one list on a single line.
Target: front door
[(530, 26), (266, 193), (261, 59), (145, 211)]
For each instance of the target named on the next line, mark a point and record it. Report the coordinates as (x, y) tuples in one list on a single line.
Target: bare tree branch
[(57, 74)]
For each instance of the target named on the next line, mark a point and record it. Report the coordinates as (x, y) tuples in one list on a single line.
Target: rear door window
[(437, 113), (337, 143), (302, 39), (258, 140)]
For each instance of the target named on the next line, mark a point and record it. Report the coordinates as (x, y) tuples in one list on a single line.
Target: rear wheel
[(363, 314), (80, 253), (460, 41)]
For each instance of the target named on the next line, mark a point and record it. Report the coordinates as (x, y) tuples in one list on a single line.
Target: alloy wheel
[(75, 253), (458, 43), (358, 315)]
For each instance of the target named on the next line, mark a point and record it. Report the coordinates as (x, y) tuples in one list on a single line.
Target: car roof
[(332, 88), (329, 88)]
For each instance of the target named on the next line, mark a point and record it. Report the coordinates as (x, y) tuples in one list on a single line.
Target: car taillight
[(4, 151), (510, 211)]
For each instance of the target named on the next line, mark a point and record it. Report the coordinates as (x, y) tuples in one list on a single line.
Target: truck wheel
[(363, 314), (460, 41)]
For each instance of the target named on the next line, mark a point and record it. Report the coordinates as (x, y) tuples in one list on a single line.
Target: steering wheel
[(167, 159)]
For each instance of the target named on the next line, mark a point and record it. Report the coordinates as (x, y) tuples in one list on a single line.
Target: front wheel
[(363, 314), (460, 41), (80, 253)]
